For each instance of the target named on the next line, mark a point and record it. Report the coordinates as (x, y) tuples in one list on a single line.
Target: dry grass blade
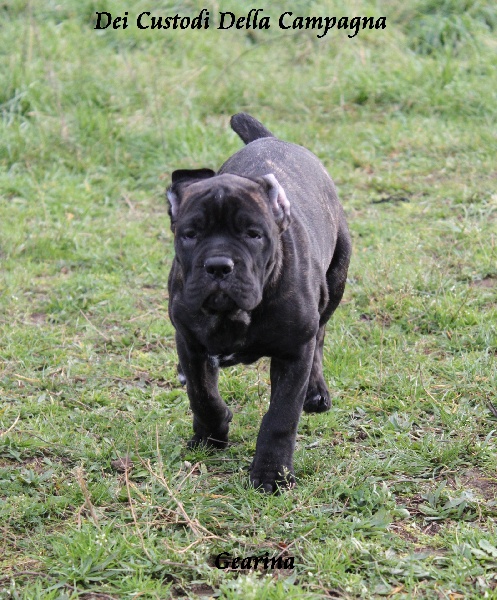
[(79, 473), (133, 514), (194, 525), (2, 433)]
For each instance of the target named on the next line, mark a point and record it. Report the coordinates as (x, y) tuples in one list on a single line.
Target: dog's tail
[(248, 128)]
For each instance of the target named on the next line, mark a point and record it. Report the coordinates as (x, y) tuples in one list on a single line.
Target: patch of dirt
[(479, 482), (202, 589), (487, 282), (405, 532), (383, 318), (122, 464), (412, 503), (25, 568), (35, 464), (430, 550), (432, 528), (38, 318)]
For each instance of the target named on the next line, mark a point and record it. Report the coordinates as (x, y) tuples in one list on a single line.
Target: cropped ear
[(180, 179), (278, 201)]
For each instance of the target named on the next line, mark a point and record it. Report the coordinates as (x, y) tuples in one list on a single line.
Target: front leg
[(211, 416), (272, 466)]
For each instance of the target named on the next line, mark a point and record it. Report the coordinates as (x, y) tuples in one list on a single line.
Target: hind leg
[(317, 398)]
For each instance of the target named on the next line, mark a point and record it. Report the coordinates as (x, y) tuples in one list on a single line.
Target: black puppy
[(262, 252)]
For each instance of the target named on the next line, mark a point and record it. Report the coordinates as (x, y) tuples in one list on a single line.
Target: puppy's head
[(226, 232)]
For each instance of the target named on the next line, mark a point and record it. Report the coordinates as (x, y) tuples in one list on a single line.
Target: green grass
[(397, 484)]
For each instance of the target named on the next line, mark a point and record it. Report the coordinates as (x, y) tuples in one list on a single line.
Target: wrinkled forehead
[(227, 189)]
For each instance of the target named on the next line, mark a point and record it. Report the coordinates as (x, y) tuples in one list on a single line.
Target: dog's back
[(315, 208)]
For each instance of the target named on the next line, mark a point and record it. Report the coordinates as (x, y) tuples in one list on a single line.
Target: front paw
[(271, 478)]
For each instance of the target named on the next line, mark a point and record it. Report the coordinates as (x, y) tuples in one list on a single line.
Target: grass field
[(397, 484)]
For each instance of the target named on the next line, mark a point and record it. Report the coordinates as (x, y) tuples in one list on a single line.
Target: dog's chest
[(221, 336)]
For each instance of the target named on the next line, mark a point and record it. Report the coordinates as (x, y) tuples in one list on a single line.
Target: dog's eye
[(254, 234), (189, 234)]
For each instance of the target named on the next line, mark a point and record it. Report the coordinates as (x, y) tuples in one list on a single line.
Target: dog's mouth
[(219, 302)]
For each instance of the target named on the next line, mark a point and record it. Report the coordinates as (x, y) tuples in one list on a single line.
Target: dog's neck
[(275, 266)]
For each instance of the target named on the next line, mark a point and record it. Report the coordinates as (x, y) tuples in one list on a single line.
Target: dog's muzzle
[(219, 269)]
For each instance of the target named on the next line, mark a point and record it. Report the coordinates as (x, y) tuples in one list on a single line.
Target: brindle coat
[(262, 250)]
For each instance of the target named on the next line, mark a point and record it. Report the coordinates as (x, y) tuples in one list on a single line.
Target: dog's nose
[(219, 267)]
